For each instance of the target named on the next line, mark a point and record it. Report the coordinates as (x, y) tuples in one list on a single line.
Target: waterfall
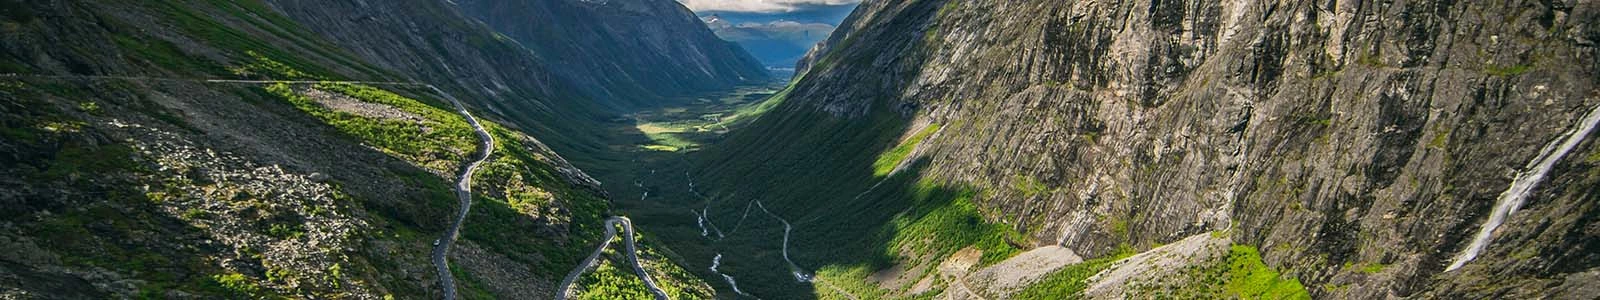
[(717, 262), (1512, 198), (700, 220)]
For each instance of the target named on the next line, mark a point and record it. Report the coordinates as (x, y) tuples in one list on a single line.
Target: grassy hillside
[(831, 179), (858, 224), (165, 186)]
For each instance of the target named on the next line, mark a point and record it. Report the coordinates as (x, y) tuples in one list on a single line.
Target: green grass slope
[(94, 190)]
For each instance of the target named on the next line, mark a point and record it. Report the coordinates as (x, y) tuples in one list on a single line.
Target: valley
[(935, 140), (931, 149)]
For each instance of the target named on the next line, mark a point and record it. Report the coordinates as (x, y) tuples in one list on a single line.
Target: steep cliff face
[(1358, 145), (129, 174), (624, 51)]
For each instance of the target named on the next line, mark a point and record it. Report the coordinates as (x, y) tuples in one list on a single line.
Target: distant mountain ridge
[(621, 51), (825, 14), (777, 43)]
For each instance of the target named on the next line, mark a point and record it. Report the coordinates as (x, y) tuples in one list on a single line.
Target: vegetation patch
[(517, 187), (75, 159), (613, 280), (439, 143), (202, 27), (947, 221), (236, 286), (470, 286), (1250, 278), (164, 54), (889, 160), (700, 120), (1241, 274), (1070, 281), (1028, 185), (677, 282), (1441, 139), (850, 278)]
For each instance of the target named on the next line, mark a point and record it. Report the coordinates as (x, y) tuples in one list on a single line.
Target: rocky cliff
[(623, 51), (1358, 145)]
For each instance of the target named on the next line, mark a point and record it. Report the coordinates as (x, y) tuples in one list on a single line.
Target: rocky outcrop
[(626, 52), (177, 193), (1329, 134), (278, 222)]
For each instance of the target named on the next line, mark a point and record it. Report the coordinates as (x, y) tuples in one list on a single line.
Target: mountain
[(777, 44), (821, 13), (296, 149), (1144, 149), (932, 149), (621, 51)]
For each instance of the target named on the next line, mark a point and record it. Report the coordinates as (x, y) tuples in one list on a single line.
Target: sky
[(762, 6)]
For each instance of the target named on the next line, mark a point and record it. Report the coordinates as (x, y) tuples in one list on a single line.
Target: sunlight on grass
[(439, 143), (889, 160), (662, 148), (611, 281), (940, 221), (1069, 282), (1250, 278), (665, 137), (850, 278), (654, 128), (949, 221), (687, 128)]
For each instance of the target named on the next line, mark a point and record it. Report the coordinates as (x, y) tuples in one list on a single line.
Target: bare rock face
[(1331, 134), (1122, 279)]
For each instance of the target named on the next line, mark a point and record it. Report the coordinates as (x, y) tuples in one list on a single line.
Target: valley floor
[(886, 234), (648, 148)]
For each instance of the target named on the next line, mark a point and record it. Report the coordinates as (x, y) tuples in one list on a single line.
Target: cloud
[(762, 6)]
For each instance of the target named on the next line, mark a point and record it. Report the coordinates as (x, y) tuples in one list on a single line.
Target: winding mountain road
[(565, 290), (800, 275), (441, 247), (703, 219), (633, 255)]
